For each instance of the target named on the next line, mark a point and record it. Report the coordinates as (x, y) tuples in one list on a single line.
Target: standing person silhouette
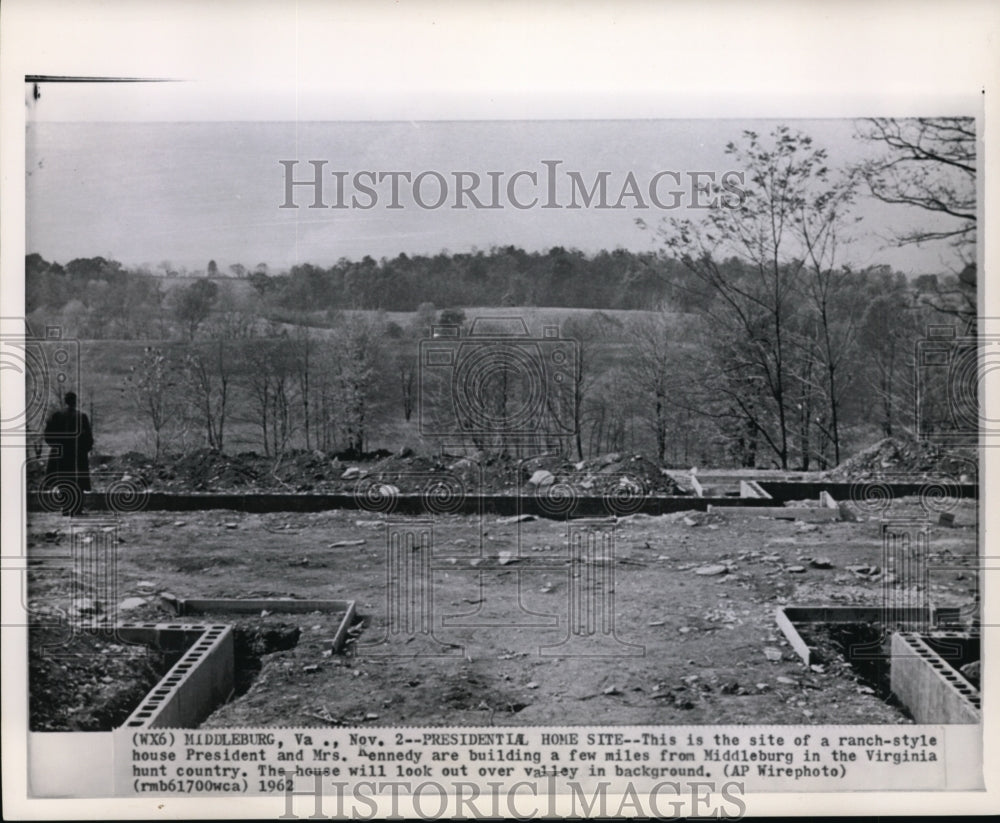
[(70, 440)]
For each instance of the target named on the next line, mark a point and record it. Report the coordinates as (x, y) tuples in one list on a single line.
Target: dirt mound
[(902, 457), (605, 474), (206, 470), (85, 683)]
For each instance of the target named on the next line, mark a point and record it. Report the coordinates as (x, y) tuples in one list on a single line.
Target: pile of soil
[(84, 682), (206, 470), (898, 458)]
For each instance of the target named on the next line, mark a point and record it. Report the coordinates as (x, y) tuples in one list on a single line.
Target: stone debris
[(541, 478), (130, 603), (971, 672), (711, 570), (773, 654), (85, 605), (821, 563)]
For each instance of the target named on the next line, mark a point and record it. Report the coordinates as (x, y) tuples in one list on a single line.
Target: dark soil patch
[(251, 642), (861, 647), (88, 682)]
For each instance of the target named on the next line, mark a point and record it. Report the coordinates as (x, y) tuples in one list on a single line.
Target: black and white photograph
[(606, 451)]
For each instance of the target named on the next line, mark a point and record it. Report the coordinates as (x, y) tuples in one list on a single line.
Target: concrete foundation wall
[(930, 688)]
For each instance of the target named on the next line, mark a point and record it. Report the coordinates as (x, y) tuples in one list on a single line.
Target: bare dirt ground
[(693, 602)]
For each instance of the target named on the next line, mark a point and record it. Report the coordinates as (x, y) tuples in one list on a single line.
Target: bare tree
[(270, 380), (207, 370), (193, 304), (359, 366), (930, 164), (589, 333), (151, 387), (755, 295)]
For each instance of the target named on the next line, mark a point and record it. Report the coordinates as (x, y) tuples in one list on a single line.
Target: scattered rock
[(130, 603), (351, 473), (787, 681), (388, 490), (85, 605), (796, 569), (340, 544), (531, 685), (612, 690), (971, 672), (311, 669), (517, 518), (821, 563), (711, 570), (504, 558), (232, 525), (541, 478), (773, 654)]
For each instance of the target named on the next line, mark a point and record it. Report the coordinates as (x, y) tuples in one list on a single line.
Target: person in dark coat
[(70, 440)]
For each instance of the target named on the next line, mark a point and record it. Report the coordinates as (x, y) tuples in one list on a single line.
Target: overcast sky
[(187, 192)]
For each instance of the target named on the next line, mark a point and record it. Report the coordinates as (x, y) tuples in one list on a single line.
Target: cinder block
[(201, 680), (928, 686)]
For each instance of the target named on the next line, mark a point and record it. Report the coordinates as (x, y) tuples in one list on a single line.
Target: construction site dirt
[(475, 621)]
